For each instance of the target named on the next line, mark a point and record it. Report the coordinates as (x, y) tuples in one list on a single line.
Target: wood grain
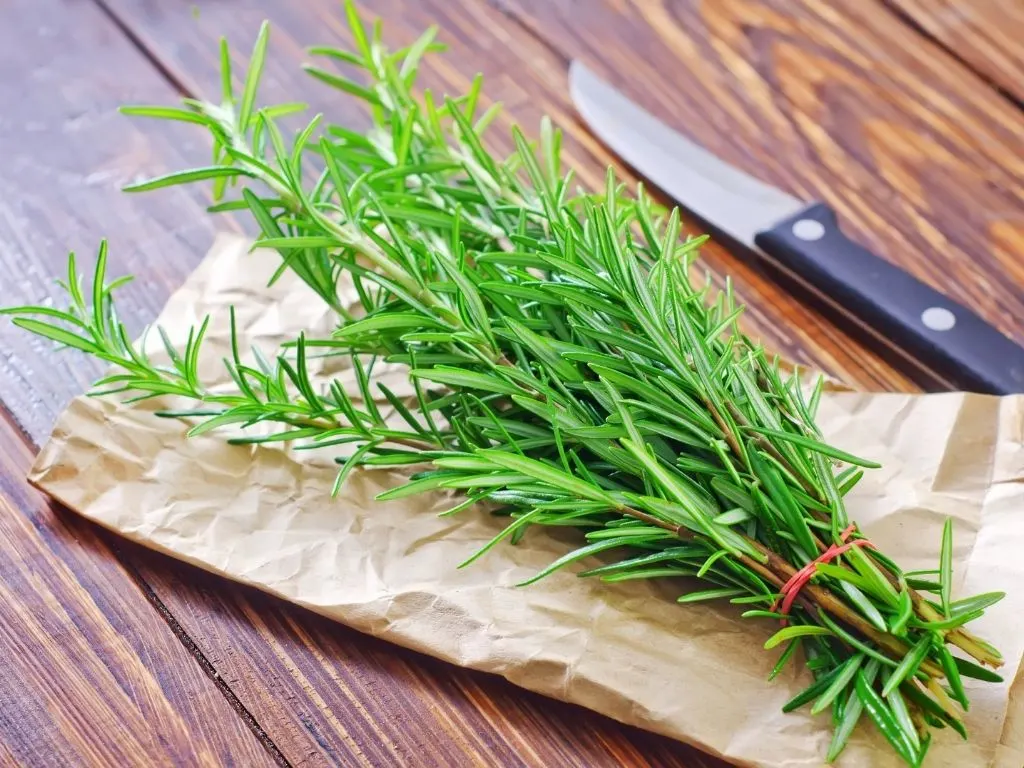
[(837, 101), (64, 70), (90, 674), (985, 34), (323, 694), (328, 695)]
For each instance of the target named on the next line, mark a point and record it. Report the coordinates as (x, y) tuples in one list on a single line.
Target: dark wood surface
[(110, 650), (984, 33)]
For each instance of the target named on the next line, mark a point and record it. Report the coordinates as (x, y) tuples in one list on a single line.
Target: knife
[(804, 241)]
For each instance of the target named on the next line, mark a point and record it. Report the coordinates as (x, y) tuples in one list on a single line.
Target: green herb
[(890, 725), (569, 369), (946, 566), (908, 667), (839, 684), (904, 610)]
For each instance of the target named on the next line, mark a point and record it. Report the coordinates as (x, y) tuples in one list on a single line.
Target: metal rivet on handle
[(938, 318), (809, 229)]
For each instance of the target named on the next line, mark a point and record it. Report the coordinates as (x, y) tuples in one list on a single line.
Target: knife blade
[(804, 240)]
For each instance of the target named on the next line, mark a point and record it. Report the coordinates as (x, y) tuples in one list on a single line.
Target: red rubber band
[(791, 589)]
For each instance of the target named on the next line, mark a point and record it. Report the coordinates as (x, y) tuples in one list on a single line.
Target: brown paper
[(263, 516)]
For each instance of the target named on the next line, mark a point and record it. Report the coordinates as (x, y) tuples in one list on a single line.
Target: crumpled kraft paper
[(263, 516)]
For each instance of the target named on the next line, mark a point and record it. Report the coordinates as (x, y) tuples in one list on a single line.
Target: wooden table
[(904, 114)]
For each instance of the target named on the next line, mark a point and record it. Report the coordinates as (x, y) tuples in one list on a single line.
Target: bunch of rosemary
[(568, 372)]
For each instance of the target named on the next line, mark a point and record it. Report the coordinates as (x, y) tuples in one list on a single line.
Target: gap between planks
[(907, 19), (194, 651), (112, 541)]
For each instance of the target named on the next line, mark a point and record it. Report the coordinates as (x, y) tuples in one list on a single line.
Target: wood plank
[(64, 70), (90, 674), (985, 34), (837, 101), (323, 694)]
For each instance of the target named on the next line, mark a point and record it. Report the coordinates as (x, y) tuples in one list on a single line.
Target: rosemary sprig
[(567, 368)]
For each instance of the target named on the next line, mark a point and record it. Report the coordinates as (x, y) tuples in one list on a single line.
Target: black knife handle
[(932, 329)]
